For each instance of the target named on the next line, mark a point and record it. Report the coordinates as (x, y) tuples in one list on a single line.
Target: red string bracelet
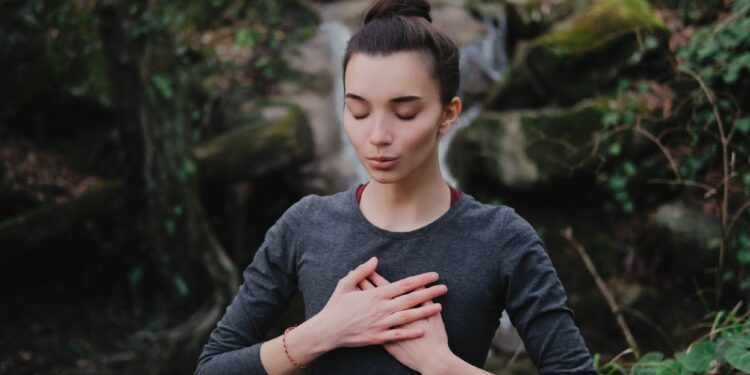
[(286, 350)]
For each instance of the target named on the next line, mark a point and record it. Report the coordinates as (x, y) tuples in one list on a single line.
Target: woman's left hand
[(422, 353)]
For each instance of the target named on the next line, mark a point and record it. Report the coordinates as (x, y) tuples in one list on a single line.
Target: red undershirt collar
[(455, 193)]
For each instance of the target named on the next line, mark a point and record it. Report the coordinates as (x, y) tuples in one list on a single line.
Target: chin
[(384, 177)]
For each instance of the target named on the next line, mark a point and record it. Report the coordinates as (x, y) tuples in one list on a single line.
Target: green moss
[(605, 21)]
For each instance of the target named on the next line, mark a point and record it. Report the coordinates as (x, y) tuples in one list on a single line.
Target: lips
[(383, 158), (383, 162)]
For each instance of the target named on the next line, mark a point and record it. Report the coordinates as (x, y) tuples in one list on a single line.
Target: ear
[(450, 116)]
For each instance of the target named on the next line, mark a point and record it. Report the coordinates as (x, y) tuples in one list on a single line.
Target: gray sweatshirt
[(488, 256)]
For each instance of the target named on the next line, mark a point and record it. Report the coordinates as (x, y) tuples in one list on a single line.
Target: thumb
[(354, 277)]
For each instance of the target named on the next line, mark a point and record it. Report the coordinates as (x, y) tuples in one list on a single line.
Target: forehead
[(376, 77)]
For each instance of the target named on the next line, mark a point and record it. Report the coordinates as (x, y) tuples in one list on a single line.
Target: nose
[(381, 132)]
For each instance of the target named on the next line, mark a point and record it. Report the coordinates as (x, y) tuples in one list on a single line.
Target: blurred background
[(147, 146)]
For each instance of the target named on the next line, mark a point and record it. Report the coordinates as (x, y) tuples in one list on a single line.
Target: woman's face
[(393, 114)]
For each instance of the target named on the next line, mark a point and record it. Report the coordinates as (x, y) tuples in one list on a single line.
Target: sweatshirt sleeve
[(270, 281), (536, 302)]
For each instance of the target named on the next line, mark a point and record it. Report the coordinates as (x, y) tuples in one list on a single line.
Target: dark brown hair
[(392, 26)]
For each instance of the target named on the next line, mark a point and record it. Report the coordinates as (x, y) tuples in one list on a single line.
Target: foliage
[(697, 118), (182, 54), (167, 73), (726, 347), (703, 108), (54, 49)]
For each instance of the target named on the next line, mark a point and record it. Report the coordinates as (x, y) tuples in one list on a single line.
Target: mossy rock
[(566, 65), (521, 150), (282, 141)]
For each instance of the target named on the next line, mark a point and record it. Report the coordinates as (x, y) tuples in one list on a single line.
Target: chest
[(471, 307)]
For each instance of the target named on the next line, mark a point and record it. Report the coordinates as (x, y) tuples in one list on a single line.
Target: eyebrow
[(400, 99)]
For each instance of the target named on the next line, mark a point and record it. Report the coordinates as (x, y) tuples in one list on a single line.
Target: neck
[(409, 203)]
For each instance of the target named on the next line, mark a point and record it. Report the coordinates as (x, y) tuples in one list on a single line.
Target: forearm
[(304, 343)]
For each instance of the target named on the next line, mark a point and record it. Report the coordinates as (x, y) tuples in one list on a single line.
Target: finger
[(408, 284), (398, 334), (416, 297), (365, 285), (350, 281), (378, 280), (409, 315), (429, 301)]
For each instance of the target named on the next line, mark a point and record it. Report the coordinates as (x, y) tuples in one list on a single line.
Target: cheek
[(353, 133), (421, 137)]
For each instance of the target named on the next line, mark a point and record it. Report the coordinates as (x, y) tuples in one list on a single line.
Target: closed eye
[(402, 118)]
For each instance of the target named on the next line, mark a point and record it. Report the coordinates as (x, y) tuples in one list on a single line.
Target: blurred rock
[(520, 150), (688, 226)]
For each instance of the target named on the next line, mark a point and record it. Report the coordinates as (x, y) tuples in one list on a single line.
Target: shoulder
[(486, 219), (499, 224), (315, 206)]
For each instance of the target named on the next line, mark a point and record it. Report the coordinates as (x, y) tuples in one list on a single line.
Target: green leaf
[(628, 206), (745, 240), (727, 276), (623, 85), (699, 358), (186, 170), (731, 75), (743, 257), (170, 226), (614, 149), (136, 275), (163, 85), (739, 358), (629, 168), (652, 366), (611, 119), (740, 340), (652, 356), (617, 182), (180, 285), (743, 125), (246, 37)]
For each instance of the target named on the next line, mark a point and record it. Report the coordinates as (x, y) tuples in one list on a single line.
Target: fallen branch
[(567, 233)]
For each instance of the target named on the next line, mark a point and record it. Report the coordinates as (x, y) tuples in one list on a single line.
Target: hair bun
[(391, 8)]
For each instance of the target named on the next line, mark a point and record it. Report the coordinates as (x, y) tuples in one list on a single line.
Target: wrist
[(325, 339), (442, 363)]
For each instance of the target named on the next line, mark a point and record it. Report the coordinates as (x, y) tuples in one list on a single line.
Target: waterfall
[(482, 64)]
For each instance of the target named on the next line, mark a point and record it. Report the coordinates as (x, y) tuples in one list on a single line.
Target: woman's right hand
[(354, 317)]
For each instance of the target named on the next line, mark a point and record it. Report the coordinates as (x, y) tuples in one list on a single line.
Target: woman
[(384, 315)]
